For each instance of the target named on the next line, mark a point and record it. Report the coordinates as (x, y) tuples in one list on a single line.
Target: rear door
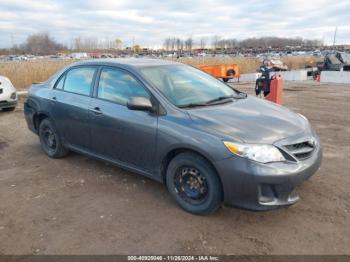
[(118, 133), (70, 101)]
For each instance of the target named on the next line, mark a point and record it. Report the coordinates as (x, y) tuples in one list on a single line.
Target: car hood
[(250, 120)]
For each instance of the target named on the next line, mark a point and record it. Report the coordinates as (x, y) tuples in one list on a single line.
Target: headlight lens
[(257, 152)]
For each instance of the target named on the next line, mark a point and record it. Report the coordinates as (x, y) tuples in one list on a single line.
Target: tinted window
[(60, 83), (119, 86), (79, 80)]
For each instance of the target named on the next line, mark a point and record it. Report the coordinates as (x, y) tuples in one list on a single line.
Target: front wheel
[(194, 184), (50, 140)]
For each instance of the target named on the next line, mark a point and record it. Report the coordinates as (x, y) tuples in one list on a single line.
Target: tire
[(187, 167), (50, 140), (231, 73), (9, 109)]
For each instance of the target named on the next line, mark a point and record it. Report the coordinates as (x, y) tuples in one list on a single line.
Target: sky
[(149, 22)]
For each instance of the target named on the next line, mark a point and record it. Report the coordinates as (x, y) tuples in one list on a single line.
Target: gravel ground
[(78, 205)]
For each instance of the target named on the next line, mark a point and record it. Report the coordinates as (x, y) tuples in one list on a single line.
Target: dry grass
[(23, 74), (299, 62)]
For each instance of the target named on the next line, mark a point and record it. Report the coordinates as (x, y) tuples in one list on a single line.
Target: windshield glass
[(185, 85)]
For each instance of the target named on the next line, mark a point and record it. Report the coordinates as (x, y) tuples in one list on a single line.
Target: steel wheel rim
[(191, 185), (49, 139)]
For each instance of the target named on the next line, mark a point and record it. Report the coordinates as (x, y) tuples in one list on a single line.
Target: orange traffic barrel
[(318, 77), (276, 89)]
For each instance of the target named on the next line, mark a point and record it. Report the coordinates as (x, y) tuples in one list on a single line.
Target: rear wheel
[(194, 184), (50, 140)]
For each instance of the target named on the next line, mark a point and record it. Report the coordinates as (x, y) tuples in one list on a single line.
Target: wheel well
[(231, 72), (166, 160), (38, 117)]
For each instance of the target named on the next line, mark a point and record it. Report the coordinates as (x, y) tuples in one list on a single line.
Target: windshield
[(184, 85)]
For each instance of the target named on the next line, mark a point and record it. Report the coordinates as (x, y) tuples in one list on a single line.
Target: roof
[(132, 62)]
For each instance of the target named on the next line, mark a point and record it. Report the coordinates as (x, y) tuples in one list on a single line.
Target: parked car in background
[(335, 61), (209, 143), (8, 95)]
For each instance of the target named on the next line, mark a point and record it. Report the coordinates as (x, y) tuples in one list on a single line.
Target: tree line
[(39, 44), (217, 42), (44, 44)]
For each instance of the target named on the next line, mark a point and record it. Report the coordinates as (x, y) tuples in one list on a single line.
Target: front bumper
[(252, 185), (8, 103)]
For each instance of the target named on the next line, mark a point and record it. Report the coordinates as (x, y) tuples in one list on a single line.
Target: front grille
[(301, 150)]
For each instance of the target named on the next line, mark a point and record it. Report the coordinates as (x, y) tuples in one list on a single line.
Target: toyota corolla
[(208, 142)]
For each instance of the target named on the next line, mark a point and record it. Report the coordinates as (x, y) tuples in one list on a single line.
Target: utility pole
[(12, 43), (335, 35), (12, 40)]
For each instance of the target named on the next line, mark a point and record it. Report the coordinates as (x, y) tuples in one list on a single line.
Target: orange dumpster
[(226, 72), (276, 89)]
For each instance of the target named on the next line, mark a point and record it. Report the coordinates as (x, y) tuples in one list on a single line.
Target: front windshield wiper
[(192, 105), (220, 98), (208, 103)]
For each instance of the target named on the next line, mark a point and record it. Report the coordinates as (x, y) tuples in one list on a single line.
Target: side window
[(78, 80), (118, 86), (60, 83)]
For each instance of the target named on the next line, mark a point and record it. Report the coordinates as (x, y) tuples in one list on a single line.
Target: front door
[(118, 133)]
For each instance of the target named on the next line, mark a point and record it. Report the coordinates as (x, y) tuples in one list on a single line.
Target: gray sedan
[(208, 142)]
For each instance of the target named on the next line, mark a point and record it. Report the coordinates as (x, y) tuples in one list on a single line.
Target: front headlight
[(257, 152)]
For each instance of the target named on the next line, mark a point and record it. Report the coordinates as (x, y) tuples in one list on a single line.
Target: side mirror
[(140, 103)]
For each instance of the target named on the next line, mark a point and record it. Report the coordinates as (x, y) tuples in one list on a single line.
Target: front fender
[(172, 136)]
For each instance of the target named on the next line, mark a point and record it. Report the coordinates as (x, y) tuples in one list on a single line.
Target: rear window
[(79, 80)]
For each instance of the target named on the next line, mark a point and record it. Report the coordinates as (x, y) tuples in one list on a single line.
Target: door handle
[(96, 110), (53, 99)]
